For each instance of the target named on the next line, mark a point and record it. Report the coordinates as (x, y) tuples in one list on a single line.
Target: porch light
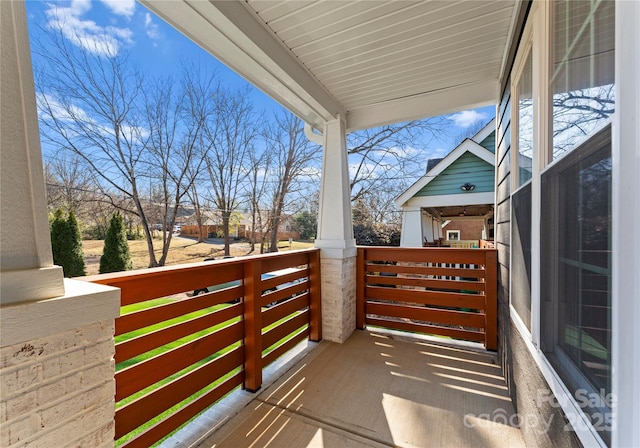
[(467, 187)]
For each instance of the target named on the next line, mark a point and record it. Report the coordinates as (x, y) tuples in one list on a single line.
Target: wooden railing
[(439, 291), (177, 356)]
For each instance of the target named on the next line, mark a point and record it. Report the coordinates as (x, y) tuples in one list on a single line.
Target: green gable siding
[(490, 142), (468, 168)]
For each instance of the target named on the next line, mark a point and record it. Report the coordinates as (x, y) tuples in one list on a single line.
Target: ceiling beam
[(429, 104), (235, 35)]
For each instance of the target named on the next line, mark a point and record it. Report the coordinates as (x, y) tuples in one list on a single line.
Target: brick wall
[(469, 229), (59, 390), (338, 298)]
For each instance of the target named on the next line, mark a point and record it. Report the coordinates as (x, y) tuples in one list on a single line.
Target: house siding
[(467, 167), (525, 382), (489, 143)]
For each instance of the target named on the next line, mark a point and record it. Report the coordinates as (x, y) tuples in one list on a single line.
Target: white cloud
[(87, 34), (438, 152), (51, 107), (150, 27), (124, 8), (467, 118)]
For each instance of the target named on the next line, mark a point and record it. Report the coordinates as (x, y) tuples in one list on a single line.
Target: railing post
[(315, 298), (361, 312), (252, 326), (491, 299)]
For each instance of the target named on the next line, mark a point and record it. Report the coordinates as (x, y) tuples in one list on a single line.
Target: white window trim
[(625, 283), (449, 232)]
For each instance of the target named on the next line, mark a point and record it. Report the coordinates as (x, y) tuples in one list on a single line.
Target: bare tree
[(93, 103), (385, 154), (176, 122), (293, 155), (88, 99), (259, 165), (230, 136), (70, 186)]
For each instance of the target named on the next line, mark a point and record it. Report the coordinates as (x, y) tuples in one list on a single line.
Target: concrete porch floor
[(379, 390)]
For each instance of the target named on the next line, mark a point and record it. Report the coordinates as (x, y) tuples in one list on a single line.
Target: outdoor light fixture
[(467, 187)]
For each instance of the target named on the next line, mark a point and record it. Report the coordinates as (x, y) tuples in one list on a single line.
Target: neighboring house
[(454, 199), (564, 75)]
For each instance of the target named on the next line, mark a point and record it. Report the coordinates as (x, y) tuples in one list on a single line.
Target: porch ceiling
[(374, 62)]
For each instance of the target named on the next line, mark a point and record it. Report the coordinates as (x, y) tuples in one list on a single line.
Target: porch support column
[(26, 263), (626, 234), (56, 354), (335, 237), (411, 235)]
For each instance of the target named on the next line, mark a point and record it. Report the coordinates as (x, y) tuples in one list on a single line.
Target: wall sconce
[(467, 187)]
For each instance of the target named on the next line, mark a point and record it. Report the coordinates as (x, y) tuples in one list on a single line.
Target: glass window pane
[(582, 82), (576, 273), (521, 254), (525, 122)]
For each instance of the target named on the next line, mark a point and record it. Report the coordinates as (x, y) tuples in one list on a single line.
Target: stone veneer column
[(335, 238), (56, 335)]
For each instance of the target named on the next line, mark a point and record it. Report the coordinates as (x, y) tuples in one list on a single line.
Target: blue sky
[(157, 48)]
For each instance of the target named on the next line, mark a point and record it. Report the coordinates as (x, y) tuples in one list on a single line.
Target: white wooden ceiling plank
[(430, 104), (357, 12), (440, 20), (272, 10), (416, 52), (394, 43), (417, 75), (304, 17), (375, 54), (410, 60), (421, 16), (401, 90)]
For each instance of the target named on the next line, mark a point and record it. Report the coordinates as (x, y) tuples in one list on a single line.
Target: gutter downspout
[(318, 139)]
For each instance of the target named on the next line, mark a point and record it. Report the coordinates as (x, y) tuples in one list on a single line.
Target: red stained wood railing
[(439, 291), (176, 356)]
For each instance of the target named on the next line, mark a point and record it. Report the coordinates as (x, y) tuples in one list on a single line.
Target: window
[(576, 273), (453, 235)]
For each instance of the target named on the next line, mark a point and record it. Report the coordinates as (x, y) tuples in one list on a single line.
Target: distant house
[(453, 202)]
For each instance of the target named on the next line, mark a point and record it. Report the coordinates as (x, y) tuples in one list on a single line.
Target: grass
[(182, 250)]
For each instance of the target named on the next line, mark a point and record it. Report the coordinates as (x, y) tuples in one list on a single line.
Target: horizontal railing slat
[(435, 271), (144, 318), (426, 283), (283, 309), (150, 371), (183, 415), (434, 298), (283, 260), (138, 412), (285, 347), (289, 326), (272, 282), (449, 317), (141, 344), (422, 255), (280, 294), (145, 284), (469, 335)]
